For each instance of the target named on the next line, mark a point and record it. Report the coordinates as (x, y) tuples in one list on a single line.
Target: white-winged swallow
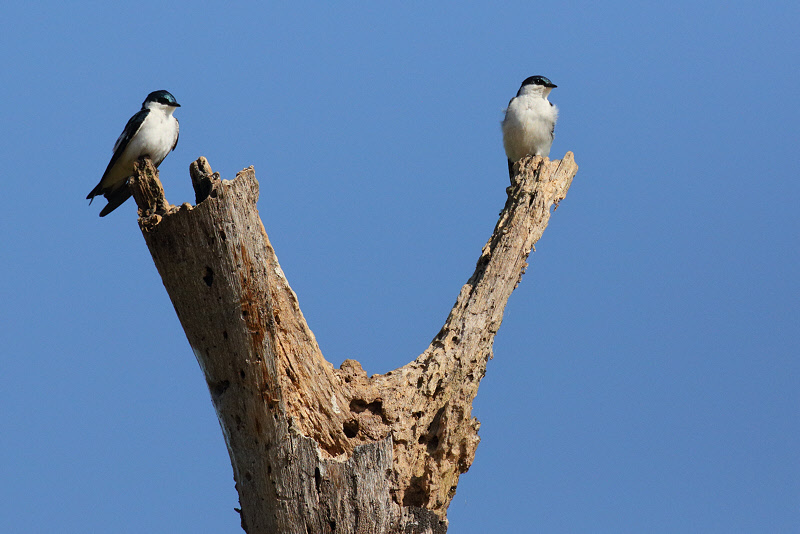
[(530, 121), (152, 132)]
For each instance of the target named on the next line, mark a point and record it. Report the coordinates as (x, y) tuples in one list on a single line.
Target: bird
[(530, 121), (153, 132)]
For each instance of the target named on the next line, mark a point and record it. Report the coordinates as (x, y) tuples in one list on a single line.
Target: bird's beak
[(176, 105), (552, 85)]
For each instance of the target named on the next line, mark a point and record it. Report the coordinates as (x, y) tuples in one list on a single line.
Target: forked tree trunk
[(316, 449)]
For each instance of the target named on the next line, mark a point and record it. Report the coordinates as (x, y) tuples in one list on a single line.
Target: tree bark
[(316, 449)]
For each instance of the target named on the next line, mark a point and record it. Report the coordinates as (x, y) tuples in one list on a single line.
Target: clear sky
[(646, 377)]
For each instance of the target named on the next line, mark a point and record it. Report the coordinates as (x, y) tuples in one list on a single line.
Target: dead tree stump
[(316, 449)]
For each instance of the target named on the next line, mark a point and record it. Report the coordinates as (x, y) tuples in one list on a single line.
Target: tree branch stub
[(313, 448)]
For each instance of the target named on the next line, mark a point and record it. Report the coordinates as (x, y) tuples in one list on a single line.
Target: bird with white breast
[(152, 132), (530, 121)]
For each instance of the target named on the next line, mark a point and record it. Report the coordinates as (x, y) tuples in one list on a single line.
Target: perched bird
[(152, 132), (530, 121)]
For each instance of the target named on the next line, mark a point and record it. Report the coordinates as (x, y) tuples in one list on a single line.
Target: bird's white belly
[(527, 129), (528, 135), (155, 138)]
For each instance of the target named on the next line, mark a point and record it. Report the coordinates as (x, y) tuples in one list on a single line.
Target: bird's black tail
[(115, 199)]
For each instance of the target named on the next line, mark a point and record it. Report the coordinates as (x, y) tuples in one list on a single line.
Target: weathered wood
[(313, 448), (427, 404), (147, 190)]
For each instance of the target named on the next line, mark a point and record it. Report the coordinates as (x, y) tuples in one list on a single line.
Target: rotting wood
[(313, 448)]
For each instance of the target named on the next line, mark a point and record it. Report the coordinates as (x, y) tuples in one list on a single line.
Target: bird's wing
[(133, 125), (125, 137), (177, 134)]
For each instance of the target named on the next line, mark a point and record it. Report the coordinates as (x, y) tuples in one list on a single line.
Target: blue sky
[(646, 375)]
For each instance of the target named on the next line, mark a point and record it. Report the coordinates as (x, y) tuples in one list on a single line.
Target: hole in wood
[(209, 277), (350, 428), (317, 478)]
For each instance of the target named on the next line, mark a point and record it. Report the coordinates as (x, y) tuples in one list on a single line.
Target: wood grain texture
[(313, 448)]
